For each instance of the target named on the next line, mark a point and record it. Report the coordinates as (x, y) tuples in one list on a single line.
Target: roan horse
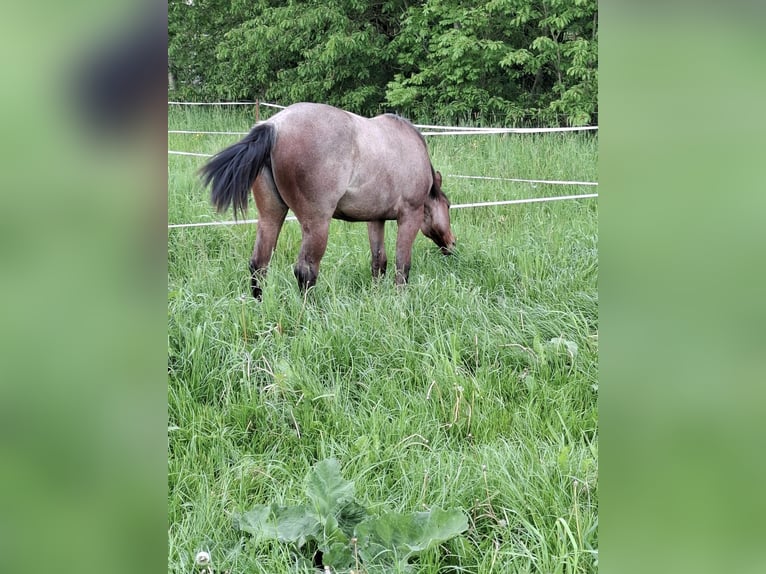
[(324, 163)]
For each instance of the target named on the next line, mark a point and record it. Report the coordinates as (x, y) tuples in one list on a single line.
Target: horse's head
[(436, 217)]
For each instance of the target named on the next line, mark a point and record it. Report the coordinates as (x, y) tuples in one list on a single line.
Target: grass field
[(475, 387)]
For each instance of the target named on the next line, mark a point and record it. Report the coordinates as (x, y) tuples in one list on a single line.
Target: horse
[(323, 163)]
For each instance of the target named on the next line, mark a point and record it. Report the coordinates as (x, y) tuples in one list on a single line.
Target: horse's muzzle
[(448, 248)]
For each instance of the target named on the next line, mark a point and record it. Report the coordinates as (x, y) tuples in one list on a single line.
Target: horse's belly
[(358, 205)]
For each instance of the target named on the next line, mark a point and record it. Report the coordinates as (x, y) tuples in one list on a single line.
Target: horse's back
[(306, 126), (395, 141)]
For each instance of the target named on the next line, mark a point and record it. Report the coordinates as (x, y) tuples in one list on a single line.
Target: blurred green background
[(682, 262), (82, 294)]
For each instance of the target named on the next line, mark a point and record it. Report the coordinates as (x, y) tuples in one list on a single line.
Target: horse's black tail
[(233, 170)]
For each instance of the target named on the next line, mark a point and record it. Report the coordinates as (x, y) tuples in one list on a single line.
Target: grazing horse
[(324, 163)]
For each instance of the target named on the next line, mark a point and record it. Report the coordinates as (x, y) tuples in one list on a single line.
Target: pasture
[(474, 387)]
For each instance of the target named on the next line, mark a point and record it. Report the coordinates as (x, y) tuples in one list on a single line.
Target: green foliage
[(508, 61), (340, 526), (308, 51), (194, 31)]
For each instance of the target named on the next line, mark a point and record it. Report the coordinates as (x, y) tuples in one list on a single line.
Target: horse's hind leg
[(408, 227), (265, 242), (271, 216), (375, 231), (313, 246)]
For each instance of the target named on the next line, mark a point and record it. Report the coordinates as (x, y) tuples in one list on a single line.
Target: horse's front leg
[(313, 245), (376, 231), (408, 227), (271, 216)]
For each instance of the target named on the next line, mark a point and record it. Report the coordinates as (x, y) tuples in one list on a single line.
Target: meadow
[(474, 387)]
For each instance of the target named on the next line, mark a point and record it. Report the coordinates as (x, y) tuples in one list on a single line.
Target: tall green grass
[(447, 393)]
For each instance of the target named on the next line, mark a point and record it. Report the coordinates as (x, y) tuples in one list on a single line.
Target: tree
[(307, 51), (507, 61), (512, 60)]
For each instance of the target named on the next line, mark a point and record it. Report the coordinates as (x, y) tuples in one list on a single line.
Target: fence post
[(257, 110)]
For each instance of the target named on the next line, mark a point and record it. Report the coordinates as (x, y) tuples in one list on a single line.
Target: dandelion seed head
[(202, 558)]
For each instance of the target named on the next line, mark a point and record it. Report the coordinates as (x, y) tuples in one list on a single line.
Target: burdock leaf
[(327, 489), (339, 556), (349, 516), (394, 537), (295, 524), (257, 521)]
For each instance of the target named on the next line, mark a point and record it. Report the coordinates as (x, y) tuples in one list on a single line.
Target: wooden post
[(257, 110)]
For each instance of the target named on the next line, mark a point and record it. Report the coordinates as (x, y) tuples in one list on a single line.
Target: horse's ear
[(438, 179)]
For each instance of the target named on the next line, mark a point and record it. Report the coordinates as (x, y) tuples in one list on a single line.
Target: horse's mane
[(433, 192)]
